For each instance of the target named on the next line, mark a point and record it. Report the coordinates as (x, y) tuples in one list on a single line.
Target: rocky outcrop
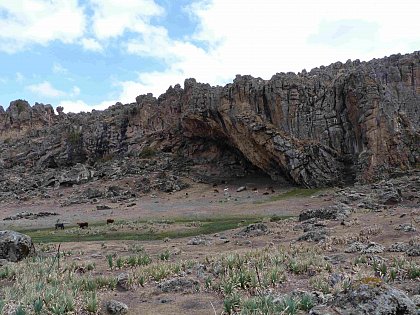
[(367, 299), (339, 211), (332, 125), (15, 246)]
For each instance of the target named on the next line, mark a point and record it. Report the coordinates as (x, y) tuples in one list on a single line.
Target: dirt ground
[(203, 201), (199, 201)]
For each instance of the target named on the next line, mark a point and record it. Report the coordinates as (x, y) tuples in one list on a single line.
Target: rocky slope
[(332, 125)]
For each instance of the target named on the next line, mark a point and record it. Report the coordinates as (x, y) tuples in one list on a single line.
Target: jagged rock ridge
[(335, 124)]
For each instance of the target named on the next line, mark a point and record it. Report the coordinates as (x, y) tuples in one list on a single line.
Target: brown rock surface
[(335, 124)]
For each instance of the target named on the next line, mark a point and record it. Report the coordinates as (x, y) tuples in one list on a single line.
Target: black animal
[(59, 226), (109, 221), (83, 225)]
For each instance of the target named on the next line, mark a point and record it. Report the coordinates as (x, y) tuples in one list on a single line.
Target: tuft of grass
[(20, 310), (165, 255), (306, 302), (119, 262), (291, 305), (110, 261), (231, 303), (147, 153), (413, 271), (92, 305), (38, 305)]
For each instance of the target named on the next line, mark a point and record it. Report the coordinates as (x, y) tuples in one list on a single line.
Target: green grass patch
[(293, 193), (206, 226)]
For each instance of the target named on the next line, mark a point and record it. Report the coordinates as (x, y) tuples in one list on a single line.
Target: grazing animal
[(59, 226), (83, 225), (109, 221)]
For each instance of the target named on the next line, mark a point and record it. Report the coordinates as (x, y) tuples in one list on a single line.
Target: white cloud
[(25, 22), (113, 18), (268, 36), (59, 69), (19, 77), (80, 106), (45, 89), (262, 37), (91, 44), (257, 37), (75, 91), (150, 82)]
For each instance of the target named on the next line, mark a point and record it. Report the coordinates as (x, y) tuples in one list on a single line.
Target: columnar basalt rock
[(331, 125)]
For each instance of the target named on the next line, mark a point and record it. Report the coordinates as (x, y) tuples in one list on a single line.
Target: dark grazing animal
[(83, 225), (109, 221), (59, 226)]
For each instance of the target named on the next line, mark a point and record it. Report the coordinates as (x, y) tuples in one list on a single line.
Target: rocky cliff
[(335, 124)]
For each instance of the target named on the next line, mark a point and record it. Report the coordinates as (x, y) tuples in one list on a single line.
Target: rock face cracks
[(341, 123)]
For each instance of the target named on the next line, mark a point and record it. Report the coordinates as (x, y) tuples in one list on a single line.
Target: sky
[(90, 54)]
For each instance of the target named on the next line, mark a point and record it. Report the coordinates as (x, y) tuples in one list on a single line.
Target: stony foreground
[(358, 255)]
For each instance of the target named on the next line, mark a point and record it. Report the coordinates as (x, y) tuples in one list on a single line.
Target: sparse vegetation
[(147, 153), (293, 193), (74, 136), (140, 231)]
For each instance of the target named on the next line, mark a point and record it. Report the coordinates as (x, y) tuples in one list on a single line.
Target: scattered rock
[(116, 307), (372, 248), (102, 207), (242, 188), (123, 281), (321, 310), (197, 241), (355, 247), (336, 259), (416, 300), (398, 247), (414, 249), (335, 212), (256, 229), (178, 285), (375, 300), (406, 227), (390, 195), (15, 246), (29, 215), (316, 235), (165, 300)]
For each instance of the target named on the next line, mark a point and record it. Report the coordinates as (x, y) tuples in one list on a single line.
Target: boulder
[(123, 281), (315, 235), (339, 211), (255, 229), (116, 307), (178, 285), (15, 246), (197, 241), (374, 300), (371, 248)]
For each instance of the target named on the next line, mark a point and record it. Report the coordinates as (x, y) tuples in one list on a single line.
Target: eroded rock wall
[(335, 124)]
